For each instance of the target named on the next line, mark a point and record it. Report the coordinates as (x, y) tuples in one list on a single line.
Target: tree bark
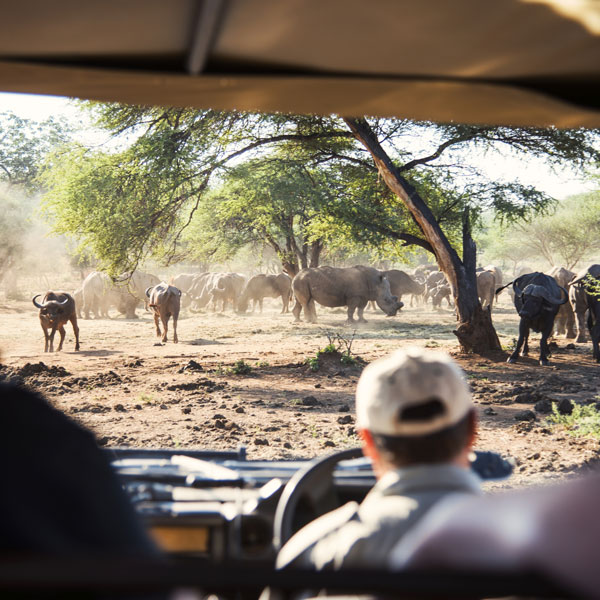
[(475, 332), (315, 253)]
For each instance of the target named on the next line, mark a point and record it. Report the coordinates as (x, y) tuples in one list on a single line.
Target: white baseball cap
[(410, 378)]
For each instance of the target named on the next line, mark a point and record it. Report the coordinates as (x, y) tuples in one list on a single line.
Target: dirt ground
[(133, 391)]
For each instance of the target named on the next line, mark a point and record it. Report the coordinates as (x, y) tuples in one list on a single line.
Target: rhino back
[(332, 286)]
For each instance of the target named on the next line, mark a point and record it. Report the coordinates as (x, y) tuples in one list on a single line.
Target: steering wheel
[(312, 487)]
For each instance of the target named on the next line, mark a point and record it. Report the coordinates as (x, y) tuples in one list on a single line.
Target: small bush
[(241, 367), (584, 421), (337, 345), (313, 362), (348, 360)]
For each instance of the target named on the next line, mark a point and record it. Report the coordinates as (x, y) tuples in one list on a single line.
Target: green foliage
[(337, 345), (313, 362), (297, 183), (584, 421), (275, 201), (25, 144), (241, 367), (592, 285)]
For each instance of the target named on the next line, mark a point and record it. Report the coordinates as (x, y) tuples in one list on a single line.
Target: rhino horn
[(36, 303)]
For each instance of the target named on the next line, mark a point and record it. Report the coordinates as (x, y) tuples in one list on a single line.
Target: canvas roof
[(514, 62)]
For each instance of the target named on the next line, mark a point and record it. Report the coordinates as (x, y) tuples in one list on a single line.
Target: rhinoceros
[(353, 287), (264, 286)]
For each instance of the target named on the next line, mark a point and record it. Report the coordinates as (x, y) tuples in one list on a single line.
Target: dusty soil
[(133, 391)]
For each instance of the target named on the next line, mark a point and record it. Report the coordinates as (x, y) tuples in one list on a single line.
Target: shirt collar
[(421, 478)]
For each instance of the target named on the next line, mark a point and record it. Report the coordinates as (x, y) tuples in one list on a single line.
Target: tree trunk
[(475, 332), (315, 253)]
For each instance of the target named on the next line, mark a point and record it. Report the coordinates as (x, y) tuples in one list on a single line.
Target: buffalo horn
[(548, 297), (148, 291), (565, 293), (37, 304), (64, 301)]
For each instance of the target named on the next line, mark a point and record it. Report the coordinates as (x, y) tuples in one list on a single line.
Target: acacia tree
[(156, 185), (569, 235), (566, 237), (24, 144), (276, 201)]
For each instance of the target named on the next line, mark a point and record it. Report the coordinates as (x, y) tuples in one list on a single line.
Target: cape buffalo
[(164, 300), (537, 300), (56, 309), (334, 286), (589, 280)]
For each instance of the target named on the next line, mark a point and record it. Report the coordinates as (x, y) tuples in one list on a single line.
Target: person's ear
[(368, 445), (472, 428)]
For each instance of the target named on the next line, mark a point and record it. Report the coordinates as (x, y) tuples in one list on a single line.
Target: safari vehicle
[(514, 62)]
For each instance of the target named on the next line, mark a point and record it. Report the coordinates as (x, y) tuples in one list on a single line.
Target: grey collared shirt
[(363, 534)]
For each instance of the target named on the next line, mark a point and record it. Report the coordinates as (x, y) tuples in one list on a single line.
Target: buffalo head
[(52, 308), (536, 298)]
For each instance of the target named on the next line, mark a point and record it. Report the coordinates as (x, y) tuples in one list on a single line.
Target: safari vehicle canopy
[(513, 62)]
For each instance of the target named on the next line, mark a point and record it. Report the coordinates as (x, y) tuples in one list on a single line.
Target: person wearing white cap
[(417, 422)]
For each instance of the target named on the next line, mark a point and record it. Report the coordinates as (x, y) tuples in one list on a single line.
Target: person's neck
[(462, 460)]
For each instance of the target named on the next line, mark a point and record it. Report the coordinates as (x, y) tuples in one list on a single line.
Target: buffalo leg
[(526, 345), (62, 332), (523, 335), (594, 328), (52, 333), (156, 322), (544, 349), (165, 322), (46, 339), (75, 331), (175, 340)]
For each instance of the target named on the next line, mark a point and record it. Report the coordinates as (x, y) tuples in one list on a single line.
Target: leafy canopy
[(177, 165)]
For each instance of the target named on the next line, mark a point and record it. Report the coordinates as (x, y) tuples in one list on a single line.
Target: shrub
[(337, 345), (241, 367), (584, 421)]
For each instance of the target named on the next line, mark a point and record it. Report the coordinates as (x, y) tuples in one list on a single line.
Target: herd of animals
[(558, 300)]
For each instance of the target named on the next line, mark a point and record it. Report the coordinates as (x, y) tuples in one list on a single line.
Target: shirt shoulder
[(299, 547)]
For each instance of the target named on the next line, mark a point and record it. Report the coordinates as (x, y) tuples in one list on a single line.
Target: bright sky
[(532, 172)]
